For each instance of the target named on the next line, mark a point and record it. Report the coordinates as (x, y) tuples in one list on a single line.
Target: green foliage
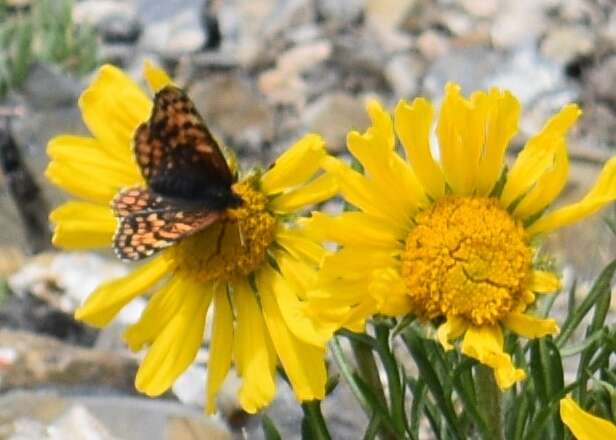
[(448, 392), (47, 33)]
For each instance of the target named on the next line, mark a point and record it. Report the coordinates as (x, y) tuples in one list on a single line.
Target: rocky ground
[(263, 72)]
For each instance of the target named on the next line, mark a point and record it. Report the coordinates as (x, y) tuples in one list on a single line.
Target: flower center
[(467, 257), (233, 247)]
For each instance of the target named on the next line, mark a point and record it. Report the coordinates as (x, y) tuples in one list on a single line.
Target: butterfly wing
[(178, 155), (149, 223)]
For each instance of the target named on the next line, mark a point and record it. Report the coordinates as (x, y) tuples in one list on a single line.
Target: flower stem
[(318, 427), (367, 368), (489, 401)]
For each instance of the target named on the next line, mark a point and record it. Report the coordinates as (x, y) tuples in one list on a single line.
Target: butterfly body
[(189, 184)]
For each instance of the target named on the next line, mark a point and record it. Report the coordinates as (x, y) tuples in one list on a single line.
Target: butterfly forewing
[(188, 180), (177, 154)]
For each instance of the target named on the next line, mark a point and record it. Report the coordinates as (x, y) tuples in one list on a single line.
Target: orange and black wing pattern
[(188, 181), (148, 223)]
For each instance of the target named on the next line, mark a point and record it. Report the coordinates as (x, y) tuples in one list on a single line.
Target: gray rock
[(433, 44), (404, 74), (333, 116), (506, 29), (119, 28), (468, 67), (566, 43), (388, 13), (41, 362), (481, 8), (103, 417), (96, 12), (341, 12), (602, 79), (234, 111), (172, 27), (47, 87), (514, 72)]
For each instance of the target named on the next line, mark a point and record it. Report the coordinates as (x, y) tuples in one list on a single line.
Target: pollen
[(234, 246), (466, 257)]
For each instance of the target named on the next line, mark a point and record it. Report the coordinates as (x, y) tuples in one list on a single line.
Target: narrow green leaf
[(466, 392), (419, 391), (600, 288), (574, 349), (269, 428), (415, 347), (347, 372), (379, 408), (396, 392)]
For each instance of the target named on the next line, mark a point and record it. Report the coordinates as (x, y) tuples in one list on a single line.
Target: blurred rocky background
[(262, 72)]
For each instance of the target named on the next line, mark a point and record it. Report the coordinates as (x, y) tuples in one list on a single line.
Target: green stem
[(367, 368), (489, 401), (312, 413), (396, 393)]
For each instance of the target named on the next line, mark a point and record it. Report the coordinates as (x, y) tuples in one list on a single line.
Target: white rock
[(565, 43), (481, 8), (388, 13), (404, 73), (333, 116), (78, 424), (190, 386)]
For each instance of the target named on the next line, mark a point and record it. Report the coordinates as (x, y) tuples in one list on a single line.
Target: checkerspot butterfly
[(188, 180)]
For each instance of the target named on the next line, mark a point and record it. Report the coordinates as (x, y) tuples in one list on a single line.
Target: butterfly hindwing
[(149, 223), (177, 154)]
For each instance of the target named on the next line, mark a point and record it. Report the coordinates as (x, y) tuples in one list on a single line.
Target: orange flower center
[(467, 257), (233, 247)]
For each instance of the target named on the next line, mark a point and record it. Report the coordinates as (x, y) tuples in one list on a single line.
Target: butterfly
[(188, 180)]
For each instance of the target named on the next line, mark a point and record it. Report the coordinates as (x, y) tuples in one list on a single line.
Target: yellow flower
[(258, 316), (584, 425), (448, 236)]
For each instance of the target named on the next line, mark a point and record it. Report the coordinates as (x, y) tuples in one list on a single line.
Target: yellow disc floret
[(468, 258), (233, 247)]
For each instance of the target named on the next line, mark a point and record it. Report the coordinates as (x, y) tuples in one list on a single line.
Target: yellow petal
[(374, 150), (582, 424), (221, 346), (359, 191), (530, 326), (255, 359), (81, 151), (176, 346), (544, 282), (461, 134), (318, 190), (91, 184), (453, 328), (156, 77), (352, 229), (161, 308), (296, 271), (537, 156), (501, 126), (413, 124), (303, 363), (292, 310), (295, 166), (82, 225), (356, 263), (600, 195), (107, 300), (112, 107), (390, 292), (299, 245), (486, 345), (548, 186)]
